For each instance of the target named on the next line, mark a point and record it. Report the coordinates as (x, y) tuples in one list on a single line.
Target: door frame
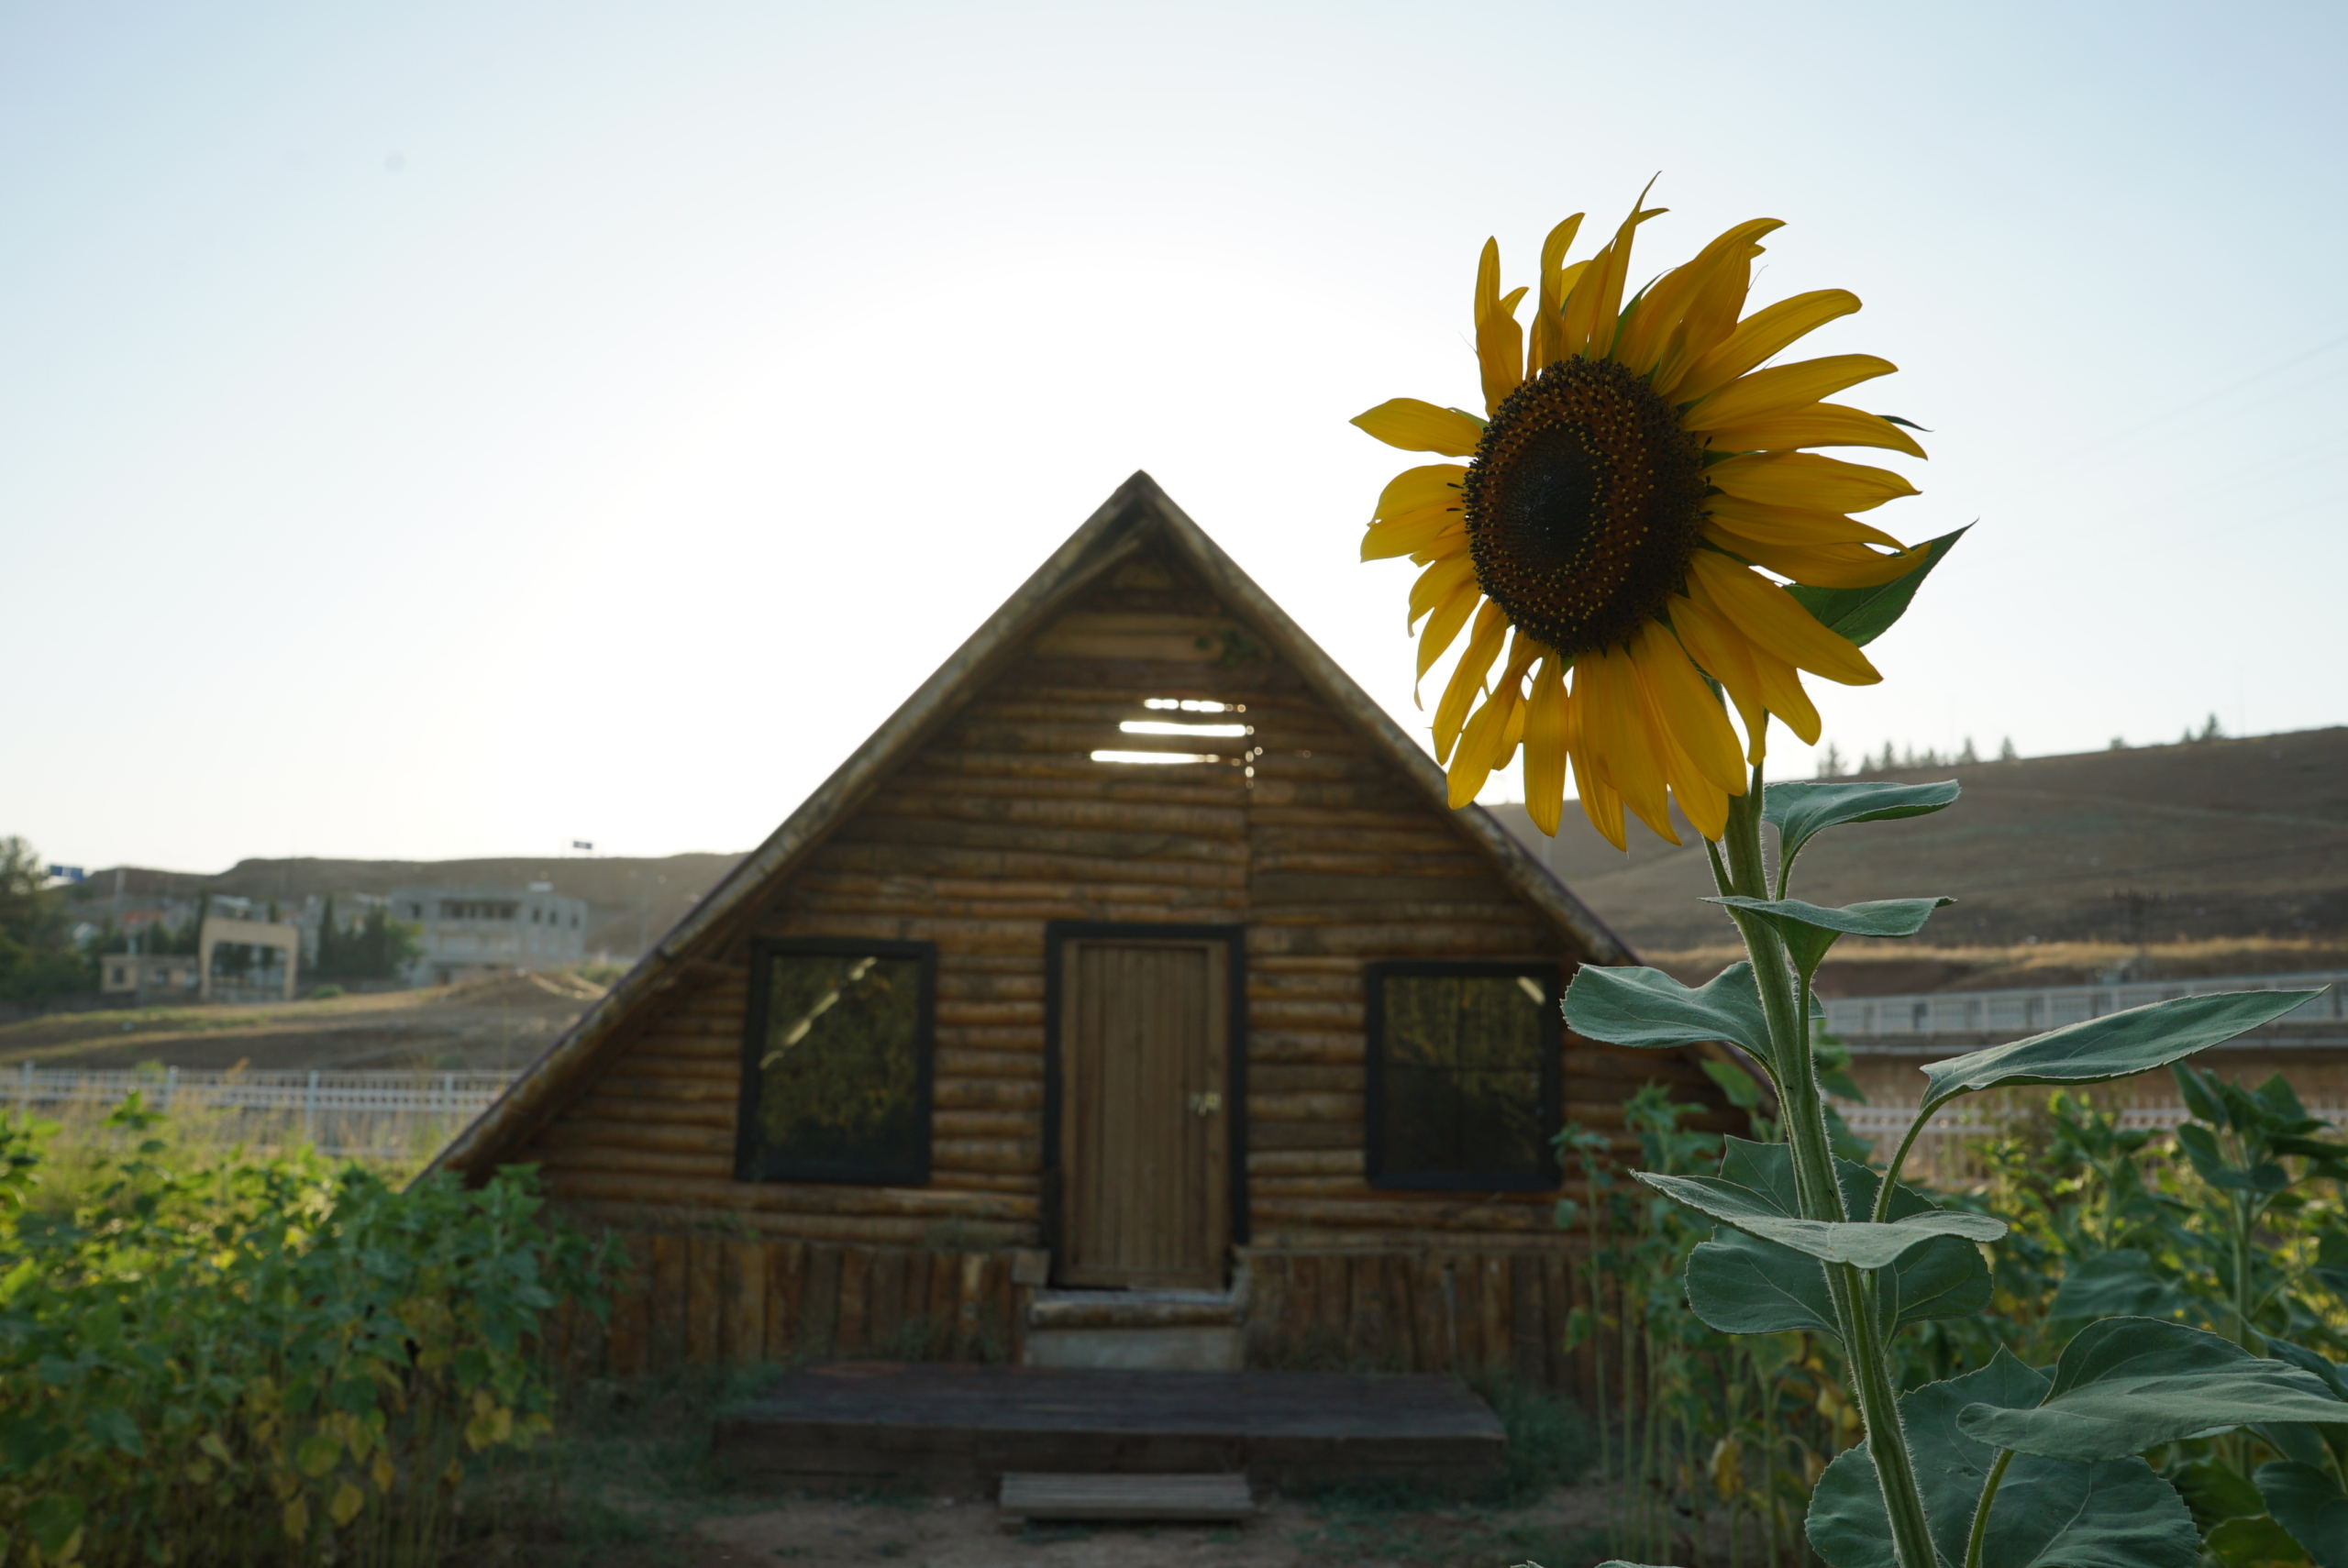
[(1052, 1214)]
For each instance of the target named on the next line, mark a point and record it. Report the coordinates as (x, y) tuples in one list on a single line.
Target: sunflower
[(1608, 542)]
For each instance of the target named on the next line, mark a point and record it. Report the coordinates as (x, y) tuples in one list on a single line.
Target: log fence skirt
[(705, 1299), (1160, 942)]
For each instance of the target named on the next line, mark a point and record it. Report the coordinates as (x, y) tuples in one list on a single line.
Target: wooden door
[(1144, 1112)]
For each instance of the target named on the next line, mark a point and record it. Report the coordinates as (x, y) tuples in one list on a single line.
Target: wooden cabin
[(1132, 996)]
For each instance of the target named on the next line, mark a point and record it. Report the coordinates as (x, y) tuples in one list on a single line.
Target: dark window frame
[(747, 1165), (1551, 1065)]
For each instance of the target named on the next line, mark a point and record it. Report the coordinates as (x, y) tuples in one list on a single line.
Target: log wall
[(1301, 831), (704, 1298)]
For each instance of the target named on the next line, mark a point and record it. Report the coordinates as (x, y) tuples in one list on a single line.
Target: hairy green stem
[(1980, 1531), (1899, 1158), (1821, 1193)]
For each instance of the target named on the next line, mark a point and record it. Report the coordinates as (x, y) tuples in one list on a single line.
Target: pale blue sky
[(446, 429)]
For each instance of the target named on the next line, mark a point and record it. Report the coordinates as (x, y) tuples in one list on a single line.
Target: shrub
[(262, 1361)]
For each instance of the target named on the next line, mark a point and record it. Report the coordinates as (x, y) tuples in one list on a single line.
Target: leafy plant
[(262, 1361), (2005, 1465)]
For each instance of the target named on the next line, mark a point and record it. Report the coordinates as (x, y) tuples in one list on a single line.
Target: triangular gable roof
[(1137, 514)]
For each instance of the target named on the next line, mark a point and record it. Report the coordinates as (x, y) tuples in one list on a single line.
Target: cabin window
[(836, 1063), (1464, 1077)]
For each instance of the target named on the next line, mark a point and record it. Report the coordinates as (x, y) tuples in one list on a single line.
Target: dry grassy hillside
[(2230, 853)]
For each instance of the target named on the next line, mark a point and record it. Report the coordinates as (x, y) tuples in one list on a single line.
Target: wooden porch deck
[(959, 1428)]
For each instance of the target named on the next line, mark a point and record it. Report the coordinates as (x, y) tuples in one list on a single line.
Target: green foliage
[(37, 957), (261, 1361), (1984, 1461), (375, 947)]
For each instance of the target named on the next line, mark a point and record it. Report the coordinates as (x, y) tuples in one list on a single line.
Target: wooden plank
[(786, 1263), (1556, 1307), (1434, 1323), (705, 1299), (945, 1303), (1528, 1361), (1402, 1320), (627, 1350), (743, 1334), (1365, 1330), (885, 1302), (848, 1332), (666, 1338), (819, 1303), (1196, 1498), (969, 1299)]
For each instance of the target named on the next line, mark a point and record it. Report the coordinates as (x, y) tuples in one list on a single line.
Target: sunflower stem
[(1821, 1193)]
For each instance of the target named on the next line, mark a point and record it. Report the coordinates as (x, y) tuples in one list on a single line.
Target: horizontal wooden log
[(1305, 1162), (1456, 1218), (1015, 1155), (797, 1198), (1266, 1079), (600, 1104), (1154, 678), (969, 935), (1305, 1107), (1135, 887), (990, 1036), (958, 1013), (1124, 817), (1189, 906), (1290, 838), (642, 1072), (1269, 1189), (955, 981), (1035, 839), (993, 1063), (590, 1134), (1341, 1015), (1304, 970), (1465, 941), (1315, 890), (1436, 922), (958, 1124), (1279, 1136), (959, 764), (988, 1093), (1322, 1242), (1027, 1182), (563, 1165), (1451, 862), (621, 1214), (951, 860), (1319, 1046)]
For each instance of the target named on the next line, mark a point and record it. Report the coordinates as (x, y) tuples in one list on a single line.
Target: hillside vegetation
[(2225, 853)]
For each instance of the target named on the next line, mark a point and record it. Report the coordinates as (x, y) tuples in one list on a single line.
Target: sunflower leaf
[(1860, 615), (1649, 1010), (1862, 1243), (2309, 1503), (2117, 1045), (1809, 930), (2125, 1383), (1801, 810), (2115, 1514)]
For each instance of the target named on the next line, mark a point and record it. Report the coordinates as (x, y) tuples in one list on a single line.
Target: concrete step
[(1203, 1498)]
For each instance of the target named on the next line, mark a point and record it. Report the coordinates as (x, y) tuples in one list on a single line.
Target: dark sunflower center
[(1584, 502)]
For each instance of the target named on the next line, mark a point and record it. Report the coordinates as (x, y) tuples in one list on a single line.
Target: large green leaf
[(2116, 1045), (2308, 1502), (2117, 1284), (1803, 810), (1863, 614), (1740, 1284), (2125, 1383), (1648, 1009), (2252, 1543), (1809, 930), (2047, 1514), (1862, 1243)]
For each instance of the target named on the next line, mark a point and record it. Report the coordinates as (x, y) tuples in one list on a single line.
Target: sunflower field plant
[(1643, 554)]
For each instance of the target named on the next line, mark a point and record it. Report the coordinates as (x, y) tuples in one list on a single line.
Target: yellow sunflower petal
[(1452, 540), (1600, 803), (1444, 627), (1593, 311), (1792, 525), (1487, 742), (1438, 582), (1548, 340), (1701, 801), (1757, 338), (1709, 320), (1621, 743), (1417, 426), (1468, 676), (1414, 489), (1689, 712), (1410, 534), (1806, 481), (1547, 739), (1819, 565), (1782, 689), (1727, 658), (1654, 323), (1500, 341), (1781, 389), (1775, 620), (1820, 424)]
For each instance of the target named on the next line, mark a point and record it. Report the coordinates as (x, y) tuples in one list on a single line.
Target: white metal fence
[(378, 1115), (2050, 1007)]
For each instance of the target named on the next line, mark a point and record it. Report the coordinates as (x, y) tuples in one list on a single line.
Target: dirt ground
[(1561, 1531), (498, 1024)]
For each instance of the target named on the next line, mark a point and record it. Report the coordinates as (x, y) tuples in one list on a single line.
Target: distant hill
[(2151, 845), (630, 902)]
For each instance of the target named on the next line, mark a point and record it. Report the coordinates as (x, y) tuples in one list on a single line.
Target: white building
[(472, 932)]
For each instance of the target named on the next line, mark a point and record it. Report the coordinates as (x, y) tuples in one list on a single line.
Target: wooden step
[(1207, 1496)]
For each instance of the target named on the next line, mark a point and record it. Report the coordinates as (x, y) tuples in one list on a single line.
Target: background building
[(470, 931)]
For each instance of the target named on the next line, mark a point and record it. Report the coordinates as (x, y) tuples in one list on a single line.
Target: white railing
[(355, 1114), (2020, 1012), (1889, 1121)]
